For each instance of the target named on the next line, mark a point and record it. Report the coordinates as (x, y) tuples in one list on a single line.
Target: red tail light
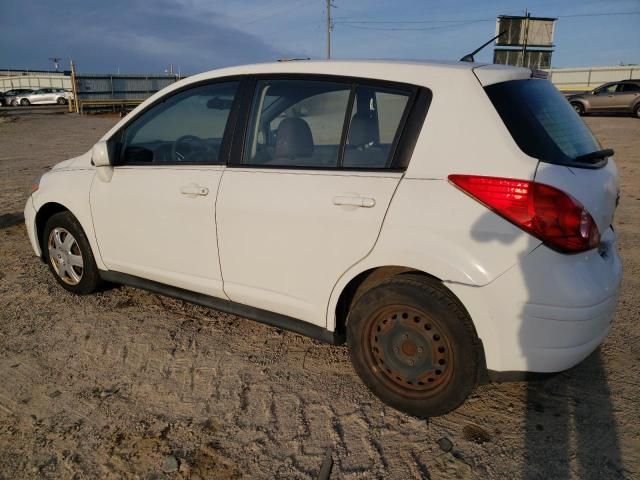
[(547, 213)]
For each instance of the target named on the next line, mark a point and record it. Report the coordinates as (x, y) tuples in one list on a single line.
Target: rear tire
[(578, 107), (24, 102), (67, 252), (413, 344)]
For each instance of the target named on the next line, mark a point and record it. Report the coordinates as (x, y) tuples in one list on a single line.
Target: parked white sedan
[(43, 96), (451, 221)]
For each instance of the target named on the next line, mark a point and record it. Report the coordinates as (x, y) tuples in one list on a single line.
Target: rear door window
[(297, 123), (541, 121), (630, 87)]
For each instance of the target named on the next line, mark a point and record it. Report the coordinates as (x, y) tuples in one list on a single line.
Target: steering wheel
[(187, 146)]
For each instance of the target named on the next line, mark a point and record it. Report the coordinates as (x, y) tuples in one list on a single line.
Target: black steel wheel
[(578, 107), (413, 344)]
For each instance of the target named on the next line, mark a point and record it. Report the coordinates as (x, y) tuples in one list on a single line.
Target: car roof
[(408, 71)]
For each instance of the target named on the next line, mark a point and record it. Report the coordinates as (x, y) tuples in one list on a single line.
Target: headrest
[(363, 130), (294, 139)]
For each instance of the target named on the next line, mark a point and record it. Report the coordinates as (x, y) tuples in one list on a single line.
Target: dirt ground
[(128, 384)]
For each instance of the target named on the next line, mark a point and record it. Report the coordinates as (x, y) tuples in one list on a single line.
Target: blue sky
[(196, 35)]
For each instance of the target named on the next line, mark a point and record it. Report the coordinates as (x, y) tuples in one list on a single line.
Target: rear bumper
[(549, 312)]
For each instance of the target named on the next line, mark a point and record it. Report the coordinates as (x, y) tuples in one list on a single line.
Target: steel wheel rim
[(399, 335), (576, 107), (65, 256)]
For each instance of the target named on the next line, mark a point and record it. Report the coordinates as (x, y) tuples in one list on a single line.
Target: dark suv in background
[(6, 98), (614, 97)]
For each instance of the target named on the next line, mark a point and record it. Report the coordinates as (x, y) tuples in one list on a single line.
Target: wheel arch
[(43, 214), (368, 279)]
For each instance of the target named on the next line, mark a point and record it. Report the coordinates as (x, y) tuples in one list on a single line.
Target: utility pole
[(74, 89), (329, 28), (526, 37)]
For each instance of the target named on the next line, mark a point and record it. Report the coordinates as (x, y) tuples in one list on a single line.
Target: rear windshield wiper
[(593, 156)]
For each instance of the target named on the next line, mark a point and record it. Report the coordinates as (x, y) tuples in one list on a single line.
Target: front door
[(307, 197), (155, 218)]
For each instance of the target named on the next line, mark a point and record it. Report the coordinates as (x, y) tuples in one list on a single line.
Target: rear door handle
[(193, 190), (355, 201)]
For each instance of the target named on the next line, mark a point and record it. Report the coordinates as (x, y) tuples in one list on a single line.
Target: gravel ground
[(130, 384)]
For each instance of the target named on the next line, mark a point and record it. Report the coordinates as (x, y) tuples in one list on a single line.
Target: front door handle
[(354, 200), (193, 190)]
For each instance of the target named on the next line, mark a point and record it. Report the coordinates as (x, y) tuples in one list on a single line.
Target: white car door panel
[(306, 198), (159, 223), (155, 217), (285, 239)]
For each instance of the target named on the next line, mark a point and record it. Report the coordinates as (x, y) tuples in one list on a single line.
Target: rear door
[(629, 96), (307, 190)]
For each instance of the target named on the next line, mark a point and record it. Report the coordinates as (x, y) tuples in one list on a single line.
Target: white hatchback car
[(451, 221)]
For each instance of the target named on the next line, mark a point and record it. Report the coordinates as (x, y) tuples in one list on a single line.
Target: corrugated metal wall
[(119, 87)]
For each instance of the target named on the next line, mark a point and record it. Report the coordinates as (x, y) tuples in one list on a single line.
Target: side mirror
[(100, 158), (100, 155)]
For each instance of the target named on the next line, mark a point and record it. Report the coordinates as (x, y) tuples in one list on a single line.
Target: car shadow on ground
[(10, 219), (570, 429)]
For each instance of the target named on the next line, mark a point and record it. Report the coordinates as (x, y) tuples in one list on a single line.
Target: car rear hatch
[(545, 127)]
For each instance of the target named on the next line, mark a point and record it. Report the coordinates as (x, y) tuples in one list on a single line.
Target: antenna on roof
[(469, 57)]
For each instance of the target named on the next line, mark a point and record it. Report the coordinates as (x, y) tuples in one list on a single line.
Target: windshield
[(541, 121)]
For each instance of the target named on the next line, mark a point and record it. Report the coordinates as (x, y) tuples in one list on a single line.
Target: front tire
[(636, 111), (68, 254), (413, 344), (578, 107), (61, 101)]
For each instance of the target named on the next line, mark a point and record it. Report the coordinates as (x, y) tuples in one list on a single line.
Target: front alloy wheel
[(68, 253), (65, 256)]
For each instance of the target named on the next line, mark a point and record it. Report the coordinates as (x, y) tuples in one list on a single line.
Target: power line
[(277, 11), (409, 29), (396, 25)]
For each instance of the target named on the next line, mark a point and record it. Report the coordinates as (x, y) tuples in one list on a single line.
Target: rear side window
[(630, 87), (541, 121), (324, 124), (377, 114), (297, 123)]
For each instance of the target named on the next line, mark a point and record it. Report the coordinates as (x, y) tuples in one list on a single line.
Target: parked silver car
[(43, 96), (6, 98), (614, 97)]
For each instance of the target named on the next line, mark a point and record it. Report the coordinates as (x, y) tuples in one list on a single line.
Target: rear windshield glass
[(541, 121)]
